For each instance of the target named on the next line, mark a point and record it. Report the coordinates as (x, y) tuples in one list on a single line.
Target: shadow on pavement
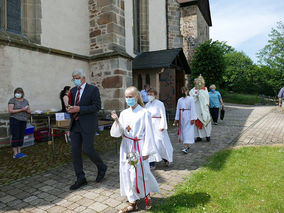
[(52, 186), (176, 202)]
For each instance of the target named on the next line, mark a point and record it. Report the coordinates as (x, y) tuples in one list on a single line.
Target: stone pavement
[(49, 191)]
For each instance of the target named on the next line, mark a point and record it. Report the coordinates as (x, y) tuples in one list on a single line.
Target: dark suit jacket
[(90, 104)]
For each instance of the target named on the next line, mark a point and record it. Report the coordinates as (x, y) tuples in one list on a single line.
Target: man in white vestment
[(203, 126)]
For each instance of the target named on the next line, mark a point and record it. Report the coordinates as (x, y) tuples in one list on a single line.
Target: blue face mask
[(130, 101), (77, 82), (212, 90)]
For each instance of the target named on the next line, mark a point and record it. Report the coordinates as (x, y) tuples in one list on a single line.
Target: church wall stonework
[(112, 76), (107, 26), (194, 29), (175, 39)]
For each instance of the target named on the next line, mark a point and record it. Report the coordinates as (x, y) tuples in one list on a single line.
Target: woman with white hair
[(215, 101), (135, 126)]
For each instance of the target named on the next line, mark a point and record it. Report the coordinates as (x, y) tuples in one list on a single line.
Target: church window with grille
[(11, 15)]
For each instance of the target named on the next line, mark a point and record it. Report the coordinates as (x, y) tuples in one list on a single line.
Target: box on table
[(60, 116), (41, 135), (29, 140), (29, 129), (63, 123)]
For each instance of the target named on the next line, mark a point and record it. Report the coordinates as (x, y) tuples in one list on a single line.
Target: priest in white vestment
[(135, 126), (185, 116), (160, 126), (203, 125)]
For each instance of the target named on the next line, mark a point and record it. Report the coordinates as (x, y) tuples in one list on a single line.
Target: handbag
[(222, 113)]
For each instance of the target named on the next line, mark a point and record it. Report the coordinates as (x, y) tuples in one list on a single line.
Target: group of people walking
[(143, 129)]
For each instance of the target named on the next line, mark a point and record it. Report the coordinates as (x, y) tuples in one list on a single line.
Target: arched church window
[(11, 15), (21, 17)]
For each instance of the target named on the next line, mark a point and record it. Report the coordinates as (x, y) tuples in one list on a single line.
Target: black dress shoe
[(198, 139), (208, 139), (101, 174), (78, 184)]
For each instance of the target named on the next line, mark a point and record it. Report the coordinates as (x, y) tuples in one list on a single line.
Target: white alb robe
[(139, 121), (162, 139), (185, 112), (201, 100)]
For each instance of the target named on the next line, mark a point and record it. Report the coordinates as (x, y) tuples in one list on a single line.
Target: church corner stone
[(113, 74)]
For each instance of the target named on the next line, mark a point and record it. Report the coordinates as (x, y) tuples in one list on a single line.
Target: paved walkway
[(49, 191)]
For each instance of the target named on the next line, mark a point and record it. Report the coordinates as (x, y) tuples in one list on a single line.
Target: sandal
[(149, 206), (130, 208)]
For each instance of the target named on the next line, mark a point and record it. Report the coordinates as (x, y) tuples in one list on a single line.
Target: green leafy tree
[(208, 60), (225, 47), (272, 56), (238, 72)]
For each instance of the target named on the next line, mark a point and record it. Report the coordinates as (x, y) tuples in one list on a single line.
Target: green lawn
[(236, 98), (249, 179)]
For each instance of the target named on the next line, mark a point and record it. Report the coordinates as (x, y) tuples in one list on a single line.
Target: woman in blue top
[(215, 101)]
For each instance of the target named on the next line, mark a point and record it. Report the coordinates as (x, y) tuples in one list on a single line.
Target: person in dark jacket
[(85, 103)]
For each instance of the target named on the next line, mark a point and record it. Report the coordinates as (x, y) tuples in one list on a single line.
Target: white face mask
[(18, 95), (151, 98)]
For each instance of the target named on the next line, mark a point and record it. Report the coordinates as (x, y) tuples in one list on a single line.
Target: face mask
[(77, 82), (18, 95), (151, 98), (130, 101), (183, 95), (212, 90)]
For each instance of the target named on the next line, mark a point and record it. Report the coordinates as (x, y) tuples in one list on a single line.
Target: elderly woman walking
[(215, 102)]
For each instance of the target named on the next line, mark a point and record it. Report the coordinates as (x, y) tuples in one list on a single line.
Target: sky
[(245, 24)]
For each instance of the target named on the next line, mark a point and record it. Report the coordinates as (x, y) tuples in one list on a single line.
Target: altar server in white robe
[(185, 116), (160, 126), (203, 125), (135, 126)]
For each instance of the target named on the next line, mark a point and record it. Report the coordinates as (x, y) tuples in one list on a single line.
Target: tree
[(225, 47), (208, 60), (238, 72), (272, 56)]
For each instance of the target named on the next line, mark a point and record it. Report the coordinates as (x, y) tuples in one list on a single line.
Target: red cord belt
[(179, 123), (136, 146), (156, 117)]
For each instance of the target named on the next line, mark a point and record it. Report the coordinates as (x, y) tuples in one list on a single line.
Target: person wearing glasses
[(84, 104)]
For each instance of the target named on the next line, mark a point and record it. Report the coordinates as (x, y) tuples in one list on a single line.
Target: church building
[(118, 43)]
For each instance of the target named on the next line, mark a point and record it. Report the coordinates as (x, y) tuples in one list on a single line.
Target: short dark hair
[(146, 85), (19, 90), (153, 91)]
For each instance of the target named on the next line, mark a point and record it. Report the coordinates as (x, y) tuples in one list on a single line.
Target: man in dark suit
[(85, 103)]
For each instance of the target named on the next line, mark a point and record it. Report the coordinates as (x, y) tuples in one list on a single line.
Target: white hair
[(212, 86), (79, 72)]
